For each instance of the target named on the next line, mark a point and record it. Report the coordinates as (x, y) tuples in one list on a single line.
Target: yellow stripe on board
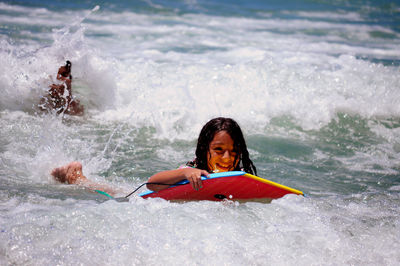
[(295, 191)]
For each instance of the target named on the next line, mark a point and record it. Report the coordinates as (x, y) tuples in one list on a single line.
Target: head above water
[(211, 131), (65, 71), (68, 64)]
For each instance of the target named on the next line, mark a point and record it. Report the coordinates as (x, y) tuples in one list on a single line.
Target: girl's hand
[(193, 175)]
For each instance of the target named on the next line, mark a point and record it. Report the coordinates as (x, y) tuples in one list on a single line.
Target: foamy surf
[(314, 87)]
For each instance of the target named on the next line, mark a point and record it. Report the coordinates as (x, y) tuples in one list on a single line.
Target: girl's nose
[(226, 155)]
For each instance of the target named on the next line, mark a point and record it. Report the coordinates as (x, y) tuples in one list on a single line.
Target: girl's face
[(221, 154)]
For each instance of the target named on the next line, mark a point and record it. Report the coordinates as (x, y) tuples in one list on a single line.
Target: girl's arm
[(193, 175)]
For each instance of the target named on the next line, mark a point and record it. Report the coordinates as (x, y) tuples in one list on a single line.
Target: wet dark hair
[(68, 69), (207, 134)]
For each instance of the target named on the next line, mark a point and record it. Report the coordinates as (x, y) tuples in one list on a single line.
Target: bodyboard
[(234, 185)]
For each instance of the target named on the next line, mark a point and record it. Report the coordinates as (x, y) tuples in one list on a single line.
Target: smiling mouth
[(220, 168)]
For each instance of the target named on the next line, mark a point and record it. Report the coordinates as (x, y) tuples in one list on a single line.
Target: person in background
[(60, 96)]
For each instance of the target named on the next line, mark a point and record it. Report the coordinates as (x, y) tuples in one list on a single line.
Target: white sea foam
[(349, 16), (174, 76), (309, 84), (290, 230), (22, 9)]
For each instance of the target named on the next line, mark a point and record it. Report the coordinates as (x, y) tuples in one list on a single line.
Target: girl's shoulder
[(190, 164)]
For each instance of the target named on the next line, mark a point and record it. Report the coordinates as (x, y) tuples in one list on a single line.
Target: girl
[(220, 147)]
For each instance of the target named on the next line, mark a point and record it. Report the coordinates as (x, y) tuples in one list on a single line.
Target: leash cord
[(151, 183)]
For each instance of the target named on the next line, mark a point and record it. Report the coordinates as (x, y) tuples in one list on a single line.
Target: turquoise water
[(313, 84)]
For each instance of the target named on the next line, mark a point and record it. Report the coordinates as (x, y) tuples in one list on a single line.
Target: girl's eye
[(218, 150)]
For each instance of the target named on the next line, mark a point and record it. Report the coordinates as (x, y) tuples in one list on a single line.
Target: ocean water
[(315, 86)]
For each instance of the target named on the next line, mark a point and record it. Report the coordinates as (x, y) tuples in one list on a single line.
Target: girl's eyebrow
[(217, 143)]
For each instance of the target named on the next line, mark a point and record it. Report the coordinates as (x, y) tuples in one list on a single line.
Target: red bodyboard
[(234, 185)]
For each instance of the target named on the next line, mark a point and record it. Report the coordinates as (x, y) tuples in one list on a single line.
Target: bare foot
[(70, 173)]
